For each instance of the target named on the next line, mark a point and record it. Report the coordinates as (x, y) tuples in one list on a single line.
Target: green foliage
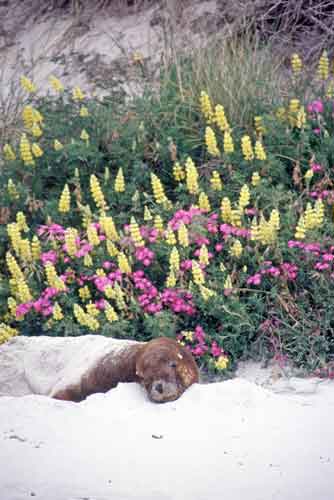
[(265, 287)]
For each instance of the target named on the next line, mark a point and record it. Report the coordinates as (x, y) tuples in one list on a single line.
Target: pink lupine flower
[(315, 106), (23, 309), (315, 167), (254, 280), (216, 351), (199, 333), (321, 266), (52, 231), (219, 247), (50, 256), (327, 257)]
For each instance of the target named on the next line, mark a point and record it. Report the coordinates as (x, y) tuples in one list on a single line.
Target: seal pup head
[(166, 369)]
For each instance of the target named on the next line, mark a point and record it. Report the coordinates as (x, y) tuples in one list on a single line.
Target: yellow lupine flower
[(64, 204), (84, 293), (206, 293), (13, 267), (147, 214), (228, 283), (191, 177), (12, 191), (174, 260), (178, 172), (260, 153), (310, 217), (296, 64), (96, 192), (23, 291), (256, 179), (158, 223), (226, 210), (228, 143), (119, 297), (36, 130), (274, 219), (88, 261), (182, 234), (53, 278), (70, 241), (35, 248), (259, 128), (111, 248), (14, 234), (119, 181), (323, 67), (215, 181), (330, 90), (28, 116), (319, 211), (267, 231), (57, 145), (91, 309), (22, 221), (92, 235), (123, 263), (301, 118), (211, 142), (171, 280), (84, 136), (8, 152), (27, 85), (197, 273), (25, 151), (12, 304), (255, 230), (158, 190), (309, 174), (203, 202), (57, 312), (247, 149), (294, 105), (170, 236), (56, 84), (220, 118), (38, 118), (77, 94), (204, 255), (221, 362), (300, 229), (110, 313), (6, 332), (36, 150), (236, 249), (244, 197), (79, 314), (25, 250), (83, 112), (206, 107), (109, 228), (135, 233)]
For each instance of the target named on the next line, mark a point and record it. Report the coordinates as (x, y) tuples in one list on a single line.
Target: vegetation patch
[(201, 211)]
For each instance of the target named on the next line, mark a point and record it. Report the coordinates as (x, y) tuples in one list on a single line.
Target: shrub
[(217, 235)]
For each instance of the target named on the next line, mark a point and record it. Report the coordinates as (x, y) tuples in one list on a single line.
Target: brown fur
[(162, 366)]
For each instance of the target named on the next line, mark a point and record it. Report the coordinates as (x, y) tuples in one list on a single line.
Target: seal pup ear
[(187, 368)]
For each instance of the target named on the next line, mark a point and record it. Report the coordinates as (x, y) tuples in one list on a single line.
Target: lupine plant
[(228, 248)]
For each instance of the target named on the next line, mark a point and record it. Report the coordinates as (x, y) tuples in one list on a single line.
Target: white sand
[(230, 440)]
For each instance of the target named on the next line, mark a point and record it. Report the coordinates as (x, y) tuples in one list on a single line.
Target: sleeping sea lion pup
[(72, 368)]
